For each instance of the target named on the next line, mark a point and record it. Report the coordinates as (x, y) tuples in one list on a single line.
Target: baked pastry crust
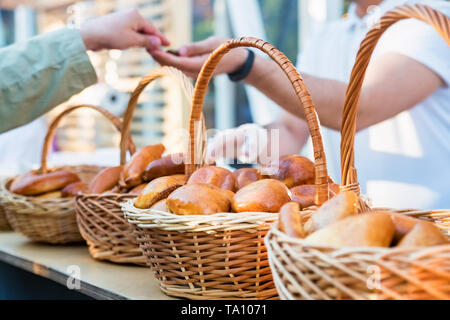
[(165, 166), (216, 176), (267, 195), (158, 189), (198, 198), (292, 170), (131, 175), (105, 180), (246, 176), (31, 183)]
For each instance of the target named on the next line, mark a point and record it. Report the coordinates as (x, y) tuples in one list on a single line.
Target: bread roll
[(246, 176), (160, 206), (305, 194), (368, 229), (105, 180), (137, 190), (198, 198), (158, 189), (71, 190), (131, 175), (292, 170), (423, 234), (266, 195), (229, 194), (216, 176), (342, 205), (166, 166), (290, 221), (403, 224), (50, 195), (31, 184)]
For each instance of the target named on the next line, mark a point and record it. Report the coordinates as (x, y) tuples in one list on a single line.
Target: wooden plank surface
[(100, 280)]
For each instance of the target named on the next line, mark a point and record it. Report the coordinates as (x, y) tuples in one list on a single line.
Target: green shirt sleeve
[(41, 73)]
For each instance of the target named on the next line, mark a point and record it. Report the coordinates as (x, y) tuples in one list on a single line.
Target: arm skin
[(46, 70), (390, 85)]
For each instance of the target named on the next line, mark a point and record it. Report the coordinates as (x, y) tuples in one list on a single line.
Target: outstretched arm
[(390, 85), (39, 74)]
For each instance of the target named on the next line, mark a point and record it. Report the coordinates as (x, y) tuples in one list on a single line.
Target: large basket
[(302, 271), (219, 256), (49, 220), (100, 218)]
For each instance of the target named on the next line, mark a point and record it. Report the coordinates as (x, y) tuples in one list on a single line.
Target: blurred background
[(287, 24)]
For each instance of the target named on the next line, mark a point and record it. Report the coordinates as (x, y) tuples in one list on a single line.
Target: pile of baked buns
[(52, 185), (337, 223), (213, 189), (66, 183)]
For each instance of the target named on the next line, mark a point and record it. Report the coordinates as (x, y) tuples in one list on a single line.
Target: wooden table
[(100, 280)]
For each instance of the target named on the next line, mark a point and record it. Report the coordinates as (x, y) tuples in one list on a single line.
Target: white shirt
[(403, 162)]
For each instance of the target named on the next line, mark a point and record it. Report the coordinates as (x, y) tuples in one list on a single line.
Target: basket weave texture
[(219, 256), (4, 224), (45, 220), (49, 220), (302, 271), (100, 218)]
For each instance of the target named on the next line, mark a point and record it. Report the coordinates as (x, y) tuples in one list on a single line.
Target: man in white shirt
[(402, 148)]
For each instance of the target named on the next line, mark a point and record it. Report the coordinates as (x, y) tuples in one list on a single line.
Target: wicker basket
[(100, 218), (49, 220), (302, 271), (219, 256), (4, 224)]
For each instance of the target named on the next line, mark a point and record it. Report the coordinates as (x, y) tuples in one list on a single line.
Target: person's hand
[(121, 30), (191, 57)]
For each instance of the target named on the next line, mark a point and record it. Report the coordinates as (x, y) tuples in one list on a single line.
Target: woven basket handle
[(54, 125), (436, 19), (194, 160), (176, 74)]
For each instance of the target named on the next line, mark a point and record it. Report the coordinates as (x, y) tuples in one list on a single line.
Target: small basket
[(219, 256), (303, 271), (49, 220), (100, 218)]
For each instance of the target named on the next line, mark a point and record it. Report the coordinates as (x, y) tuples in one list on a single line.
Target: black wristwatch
[(243, 71)]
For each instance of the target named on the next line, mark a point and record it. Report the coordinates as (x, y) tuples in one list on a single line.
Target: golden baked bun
[(131, 174), (423, 234), (229, 194), (368, 229), (138, 189), (216, 176), (160, 206), (337, 208), (50, 195), (305, 194), (158, 189), (105, 180), (267, 195), (290, 221), (166, 166), (31, 183), (71, 190), (403, 224), (246, 176), (198, 198), (292, 170)]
